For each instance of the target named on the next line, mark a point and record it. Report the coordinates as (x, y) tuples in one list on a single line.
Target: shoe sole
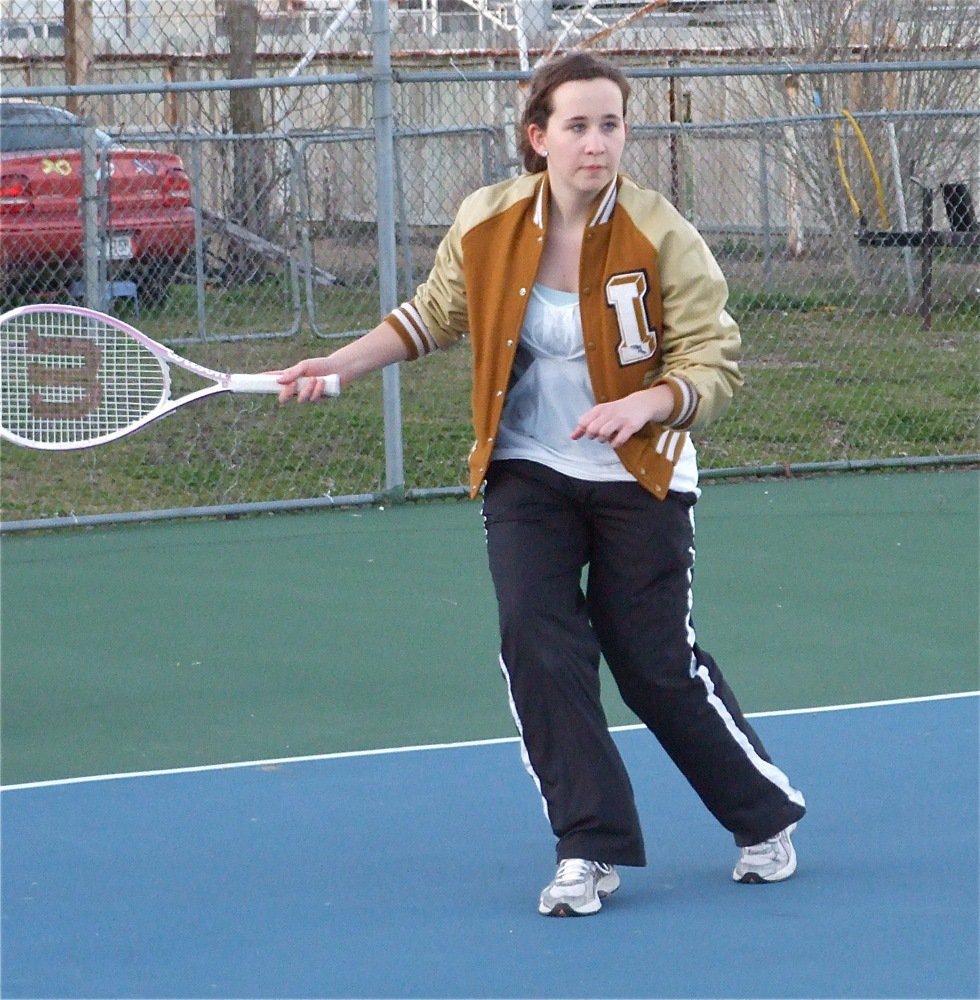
[(754, 878), (566, 910)]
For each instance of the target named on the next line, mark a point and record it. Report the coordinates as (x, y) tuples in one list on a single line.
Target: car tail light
[(15, 194), (176, 189)]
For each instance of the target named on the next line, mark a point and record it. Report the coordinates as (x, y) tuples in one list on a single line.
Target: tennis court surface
[(269, 758)]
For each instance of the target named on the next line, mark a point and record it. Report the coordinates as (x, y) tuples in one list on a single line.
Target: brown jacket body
[(652, 302)]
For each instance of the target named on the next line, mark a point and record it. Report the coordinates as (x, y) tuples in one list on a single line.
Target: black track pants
[(543, 528)]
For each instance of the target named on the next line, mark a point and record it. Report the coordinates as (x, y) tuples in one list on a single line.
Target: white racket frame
[(223, 382)]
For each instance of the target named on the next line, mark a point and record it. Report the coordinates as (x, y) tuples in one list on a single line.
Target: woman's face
[(584, 137)]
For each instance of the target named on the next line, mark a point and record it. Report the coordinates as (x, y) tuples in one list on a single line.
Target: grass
[(826, 379)]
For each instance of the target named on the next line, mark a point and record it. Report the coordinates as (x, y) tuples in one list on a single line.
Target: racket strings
[(70, 378)]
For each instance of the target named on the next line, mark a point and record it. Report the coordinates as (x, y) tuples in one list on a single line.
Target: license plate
[(119, 247)]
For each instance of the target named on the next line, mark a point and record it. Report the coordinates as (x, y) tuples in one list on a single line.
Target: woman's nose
[(595, 140)]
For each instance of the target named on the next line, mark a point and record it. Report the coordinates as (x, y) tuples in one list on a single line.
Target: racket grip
[(270, 384)]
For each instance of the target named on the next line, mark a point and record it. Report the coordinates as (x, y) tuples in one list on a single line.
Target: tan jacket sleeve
[(701, 341), (436, 317)]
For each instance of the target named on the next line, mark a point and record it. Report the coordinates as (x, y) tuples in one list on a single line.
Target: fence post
[(925, 306), (384, 155), (764, 209), (903, 219), (91, 243), (200, 274)]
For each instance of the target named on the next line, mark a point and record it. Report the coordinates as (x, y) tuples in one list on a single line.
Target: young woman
[(596, 316)]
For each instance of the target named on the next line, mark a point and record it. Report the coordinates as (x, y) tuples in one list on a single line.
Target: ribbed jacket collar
[(602, 205)]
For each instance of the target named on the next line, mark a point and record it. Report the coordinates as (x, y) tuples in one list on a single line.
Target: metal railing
[(860, 346)]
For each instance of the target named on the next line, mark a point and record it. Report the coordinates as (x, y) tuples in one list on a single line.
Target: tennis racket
[(75, 378)]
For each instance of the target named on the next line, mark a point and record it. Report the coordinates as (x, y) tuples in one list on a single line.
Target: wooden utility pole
[(79, 49), (250, 204)]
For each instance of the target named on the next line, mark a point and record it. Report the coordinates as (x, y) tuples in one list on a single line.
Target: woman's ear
[(535, 134)]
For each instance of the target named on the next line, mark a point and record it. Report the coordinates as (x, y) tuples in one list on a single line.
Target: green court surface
[(171, 645)]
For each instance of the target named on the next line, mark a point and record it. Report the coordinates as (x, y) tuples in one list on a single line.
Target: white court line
[(344, 754)]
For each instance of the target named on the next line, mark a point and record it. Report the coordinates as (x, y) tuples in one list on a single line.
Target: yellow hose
[(869, 156)]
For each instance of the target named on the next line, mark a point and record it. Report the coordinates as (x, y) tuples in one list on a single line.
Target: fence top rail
[(305, 137), (474, 76), (780, 68), (795, 120), (186, 86)]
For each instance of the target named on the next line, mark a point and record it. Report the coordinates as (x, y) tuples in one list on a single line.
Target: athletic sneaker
[(578, 888), (771, 861)]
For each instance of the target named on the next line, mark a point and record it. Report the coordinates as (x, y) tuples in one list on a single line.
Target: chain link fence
[(233, 186)]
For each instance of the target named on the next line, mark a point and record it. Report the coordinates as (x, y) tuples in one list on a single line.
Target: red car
[(146, 222)]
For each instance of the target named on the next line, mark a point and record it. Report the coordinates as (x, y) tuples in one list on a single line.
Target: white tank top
[(550, 389)]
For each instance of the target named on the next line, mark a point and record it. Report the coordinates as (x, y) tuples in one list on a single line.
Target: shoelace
[(572, 870)]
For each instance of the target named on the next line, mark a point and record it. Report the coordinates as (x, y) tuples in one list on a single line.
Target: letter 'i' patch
[(625, 292)]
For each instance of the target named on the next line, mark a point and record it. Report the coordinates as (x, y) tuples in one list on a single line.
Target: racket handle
[(270, 384)]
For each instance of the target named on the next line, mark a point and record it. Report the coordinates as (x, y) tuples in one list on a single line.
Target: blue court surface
[(416, 873)]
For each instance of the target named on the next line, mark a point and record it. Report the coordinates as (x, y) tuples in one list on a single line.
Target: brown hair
[(546, 80)]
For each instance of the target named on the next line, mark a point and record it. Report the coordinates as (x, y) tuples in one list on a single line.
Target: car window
[(16, 137)]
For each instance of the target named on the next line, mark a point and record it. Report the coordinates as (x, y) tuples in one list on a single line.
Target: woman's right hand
[(380, 347), (303, 381)]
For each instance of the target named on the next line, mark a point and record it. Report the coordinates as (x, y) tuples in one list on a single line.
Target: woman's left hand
[(616, 422)]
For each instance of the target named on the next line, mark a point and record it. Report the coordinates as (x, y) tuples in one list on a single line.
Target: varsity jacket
[(652, 303)]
